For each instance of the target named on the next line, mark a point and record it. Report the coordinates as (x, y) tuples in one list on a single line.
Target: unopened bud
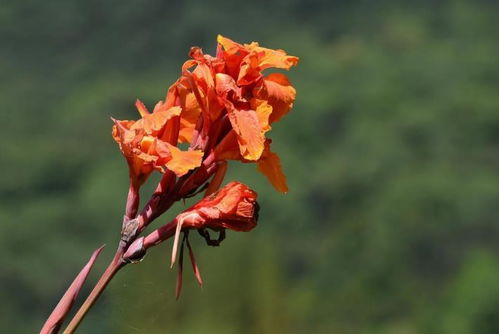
[(136, 251)]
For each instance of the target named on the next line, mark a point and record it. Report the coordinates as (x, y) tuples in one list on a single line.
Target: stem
[(132, 202), (116, 264)]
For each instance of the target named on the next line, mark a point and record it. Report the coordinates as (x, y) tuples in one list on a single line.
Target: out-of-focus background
[(391, 153)]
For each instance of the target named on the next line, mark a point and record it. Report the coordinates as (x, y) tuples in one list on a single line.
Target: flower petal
[(272, 58), (195, 266), (270, 166), (153, 123), (142, 109), (229, 45), (249, 133), (181, 162), (263, 112), (228, 148), (279, 93)]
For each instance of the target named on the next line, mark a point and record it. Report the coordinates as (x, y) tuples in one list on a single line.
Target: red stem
[(132, 202)]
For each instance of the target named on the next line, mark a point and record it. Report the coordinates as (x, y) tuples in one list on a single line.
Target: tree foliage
[(391, 153)]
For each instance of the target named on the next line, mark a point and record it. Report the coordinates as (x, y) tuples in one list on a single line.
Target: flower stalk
[(221, 107)]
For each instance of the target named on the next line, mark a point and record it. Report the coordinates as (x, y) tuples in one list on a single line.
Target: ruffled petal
[(180, 162), (153, 123), (272, 58), (279, 93), (249, 133)]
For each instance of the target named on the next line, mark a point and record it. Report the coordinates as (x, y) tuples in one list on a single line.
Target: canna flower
[(270, 97), (228, 104), (222, 107), (146, 144)]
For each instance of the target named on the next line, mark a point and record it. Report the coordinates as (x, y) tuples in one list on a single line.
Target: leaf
[(54, 321)]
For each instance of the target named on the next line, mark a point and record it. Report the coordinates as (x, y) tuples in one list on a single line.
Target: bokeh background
[(391, 153)]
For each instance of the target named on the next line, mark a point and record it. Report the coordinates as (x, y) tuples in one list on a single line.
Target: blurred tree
[(391, 153)]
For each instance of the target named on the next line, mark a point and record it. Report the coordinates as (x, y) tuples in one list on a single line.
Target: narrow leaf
[(54, 321)]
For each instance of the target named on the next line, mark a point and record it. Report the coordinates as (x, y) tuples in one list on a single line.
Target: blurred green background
[(391, 153)]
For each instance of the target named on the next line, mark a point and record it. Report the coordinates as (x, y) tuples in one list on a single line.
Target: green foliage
[(391, 153)]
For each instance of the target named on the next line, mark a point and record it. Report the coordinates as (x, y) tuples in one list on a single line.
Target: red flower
[(233, 207)]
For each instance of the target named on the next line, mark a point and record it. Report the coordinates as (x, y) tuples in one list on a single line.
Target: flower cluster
[(220, 109), (221, 106)]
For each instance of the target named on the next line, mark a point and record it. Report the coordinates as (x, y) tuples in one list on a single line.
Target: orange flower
[(146, 144), (232, 86), (271, 97)]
